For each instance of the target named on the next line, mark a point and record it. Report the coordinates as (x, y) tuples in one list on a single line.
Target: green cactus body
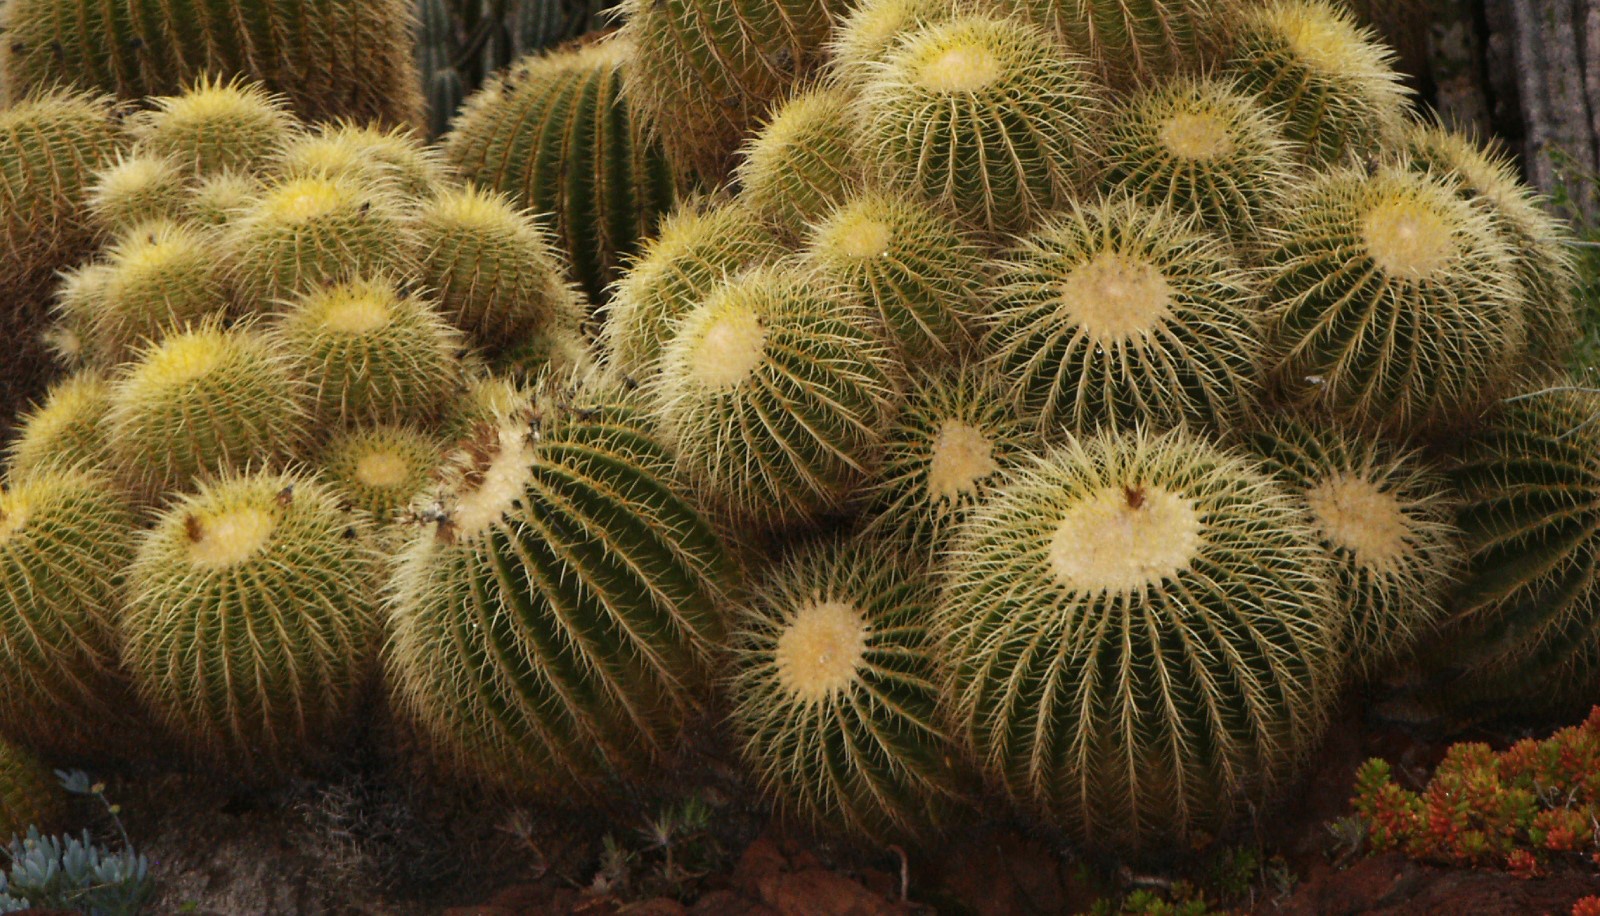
[(492, 267), (201, 402), (1141, 635), (1388, 520), (379, 470), (1537, 240), (700, 245), (986, 115), (163, 276), (1394, 304), (331, 58), (803, 161), (65, 537), (301, 233), (775, 393), (910, 263), (835, 693), (392, 158), (558, 136), (215, 127), (214, 201), (65, 430), (702, 74), (251, 623), (1331, 81), (948, 449), (1201, 147), (1139, 41), (550, 630), (370, 354), (29, 794), (870, 29), (136, 189), (1113, 314), (1527, 634), (51, 148)]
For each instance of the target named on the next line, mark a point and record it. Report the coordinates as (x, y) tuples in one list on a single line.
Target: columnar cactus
[(558, 136), (331, 58), (836, 692), (251, 624), (1141, 636), (1115, 314), (549, 625)]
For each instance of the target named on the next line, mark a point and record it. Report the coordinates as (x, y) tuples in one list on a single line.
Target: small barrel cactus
[(216, 126), (135, 189), (803, 160), (251, 623), (65, 430), (835, 692), (389, 158), (869, 29), (1139, 41), (215, 200), (379, 470), (558, 136), (1116, 314), (1141, 636), (160, 276), (775, 393)]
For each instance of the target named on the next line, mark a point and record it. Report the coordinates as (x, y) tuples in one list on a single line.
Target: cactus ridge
[(910, 263), (1138, 41), (1114, 314), (1395, 304), (65, 537), (803, 160), (775, 393), (251, 624), (1200, 146), (1331, 80), (836, 692), (1387, 517), (1140, 633), (65, 430), (559, 136), (550, 629), (985, 115)]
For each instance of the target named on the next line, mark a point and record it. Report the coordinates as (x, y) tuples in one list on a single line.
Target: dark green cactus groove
[(835, 692), (549, 627), (330, 58), (1387, 517), (251, 624), (1115, 314), (558, 136), (703, 73), (1141, 637)]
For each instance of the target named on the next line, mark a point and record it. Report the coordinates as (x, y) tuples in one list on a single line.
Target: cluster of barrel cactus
[(1065, 398)]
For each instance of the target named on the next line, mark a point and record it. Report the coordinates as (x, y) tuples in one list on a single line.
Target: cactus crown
[(216, 125)]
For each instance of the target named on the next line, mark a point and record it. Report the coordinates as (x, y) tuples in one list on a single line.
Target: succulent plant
[(835, 692), (867, 32), (29, 794), (1529, 608), (1200, 146), (550, 622), (910, 263), (702, 74), (558, 136), (492, 266), (388, 158), (251, 621), (1139, 41), (65, 537), (700, 244), (203, 401), (1141, 636), (1544, 263), (1394, 304), (775, 393), (1115, 314), (159, 276), (948, 449), (215, 126), (987, 115), (379, 470), (300, 233), (135, 189), (370, 354), (1330, 79), (64, 431), (215, 200), (802, 162), (331, 58), (1387, 517)]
